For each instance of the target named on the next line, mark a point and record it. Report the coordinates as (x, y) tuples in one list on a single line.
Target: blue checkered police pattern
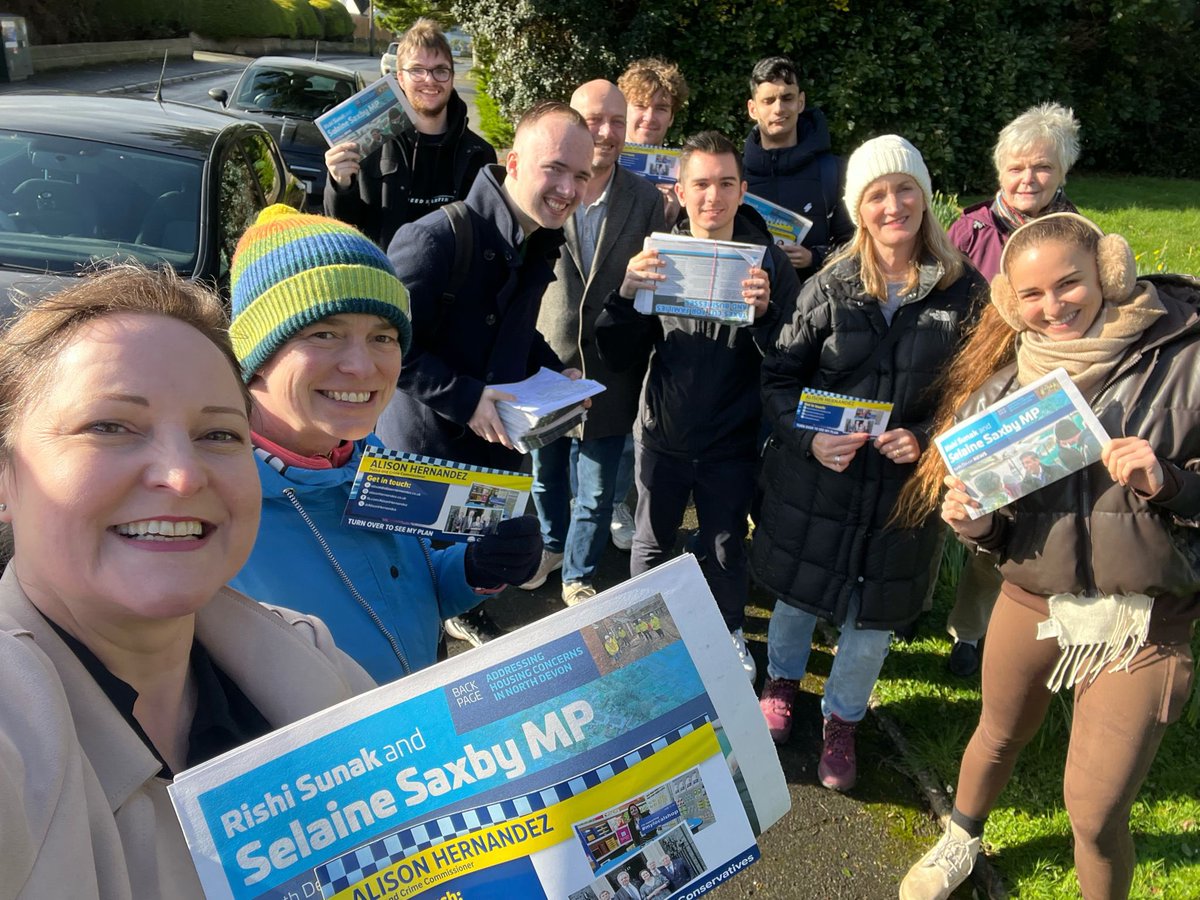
[(351, 868)]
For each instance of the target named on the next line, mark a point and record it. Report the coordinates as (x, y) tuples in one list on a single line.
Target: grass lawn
[(1028, 835), (1160, 217)]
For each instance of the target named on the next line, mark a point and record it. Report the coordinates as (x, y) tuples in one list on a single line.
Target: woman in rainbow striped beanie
[(320, 327)]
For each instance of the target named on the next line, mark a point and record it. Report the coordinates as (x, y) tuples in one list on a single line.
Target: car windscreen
[(65, 203), (287, 92)]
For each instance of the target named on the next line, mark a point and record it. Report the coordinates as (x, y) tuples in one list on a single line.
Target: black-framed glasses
[(420, 73)]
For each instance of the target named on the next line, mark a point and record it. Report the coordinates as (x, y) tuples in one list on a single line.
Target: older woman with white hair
[(1033, 155)]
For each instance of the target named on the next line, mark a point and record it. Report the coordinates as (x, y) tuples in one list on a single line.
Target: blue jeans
[(856, 665), (579, 533), (625, 472)]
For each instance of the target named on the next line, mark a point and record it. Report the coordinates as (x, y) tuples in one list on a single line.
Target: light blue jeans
[(856, 665)]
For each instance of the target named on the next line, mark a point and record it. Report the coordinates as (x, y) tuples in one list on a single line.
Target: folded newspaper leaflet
[(368, 118), (840, 414), (559, 761), (432, 498), (547, 406), (784, 225), (1023, 442), (659, 164), (703, 279)]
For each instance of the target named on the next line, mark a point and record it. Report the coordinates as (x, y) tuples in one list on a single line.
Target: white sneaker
[(943, 868), (550, 562), (576, 592), (739, 644), (622, 527)]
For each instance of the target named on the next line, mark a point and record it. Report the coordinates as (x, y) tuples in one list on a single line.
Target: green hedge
[(947, 75), (337, 23)]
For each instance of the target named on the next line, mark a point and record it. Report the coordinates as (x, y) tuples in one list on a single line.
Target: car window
[(290, 92), (240, 199), (65, 203)]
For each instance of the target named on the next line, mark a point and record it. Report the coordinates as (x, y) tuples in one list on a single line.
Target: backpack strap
[(463, 230)]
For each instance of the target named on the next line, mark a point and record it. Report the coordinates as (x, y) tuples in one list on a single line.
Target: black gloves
[(509, 555)]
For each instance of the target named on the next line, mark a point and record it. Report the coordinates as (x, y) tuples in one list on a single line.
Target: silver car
[(387, 62)]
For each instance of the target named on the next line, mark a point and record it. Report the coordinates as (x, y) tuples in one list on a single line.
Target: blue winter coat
[(410, 587), (488, 335)]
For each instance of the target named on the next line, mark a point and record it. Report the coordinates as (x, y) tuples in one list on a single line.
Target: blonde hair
[(931, 242)]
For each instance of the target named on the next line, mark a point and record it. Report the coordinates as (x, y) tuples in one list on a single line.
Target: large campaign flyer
[(614, 745), (1023, 442)]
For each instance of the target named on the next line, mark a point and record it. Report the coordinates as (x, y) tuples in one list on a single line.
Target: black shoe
[(474, 626), (964, 659)]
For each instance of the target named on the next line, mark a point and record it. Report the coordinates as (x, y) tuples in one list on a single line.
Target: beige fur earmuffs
[(1114, 259)]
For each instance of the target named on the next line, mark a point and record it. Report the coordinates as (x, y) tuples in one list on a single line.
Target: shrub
[(336, 22), (946, 75), (302, 21)]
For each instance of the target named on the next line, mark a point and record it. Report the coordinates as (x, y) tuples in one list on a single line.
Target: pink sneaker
[(778, 698), (838, 769)]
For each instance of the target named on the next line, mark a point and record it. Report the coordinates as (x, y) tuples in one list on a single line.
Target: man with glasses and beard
[(431, 159)]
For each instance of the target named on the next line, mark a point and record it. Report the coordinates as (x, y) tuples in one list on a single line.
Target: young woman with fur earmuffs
[(1100, 569)]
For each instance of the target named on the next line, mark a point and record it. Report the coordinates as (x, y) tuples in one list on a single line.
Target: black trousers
[(723, 491)]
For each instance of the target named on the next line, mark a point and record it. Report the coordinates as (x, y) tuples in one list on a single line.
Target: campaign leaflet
[(703, 279), (1023, 442), (785, 226), (368, 118), (432, 498), (659, 164), (559, 761), (840, 414)]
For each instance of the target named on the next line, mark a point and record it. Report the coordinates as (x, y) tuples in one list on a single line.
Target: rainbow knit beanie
[(291, 270)]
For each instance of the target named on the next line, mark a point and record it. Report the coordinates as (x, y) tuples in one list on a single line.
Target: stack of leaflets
[(547, 406), (432, 498), (785, 226), (559, 761), (703, 279), (368, 118), (840, 414), (1023, 442), (659, 164)]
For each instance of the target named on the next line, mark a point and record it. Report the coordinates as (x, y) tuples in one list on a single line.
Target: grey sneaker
[(474, 626), (621, 527), (943, 868), (550, 562), (576, 592)]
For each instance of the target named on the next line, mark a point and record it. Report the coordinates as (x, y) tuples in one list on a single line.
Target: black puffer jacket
[(821, 534), (700, 400), (1086, 534)]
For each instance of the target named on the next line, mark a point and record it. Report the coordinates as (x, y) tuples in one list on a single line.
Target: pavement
[(830, 846)]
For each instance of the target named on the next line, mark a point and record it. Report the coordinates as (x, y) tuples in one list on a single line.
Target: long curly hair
[(991, 345)]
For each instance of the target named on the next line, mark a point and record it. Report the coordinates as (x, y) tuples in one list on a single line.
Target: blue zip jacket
[(395, 574)]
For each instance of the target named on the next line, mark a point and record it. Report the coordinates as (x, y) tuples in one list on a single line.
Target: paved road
[(830, 846)]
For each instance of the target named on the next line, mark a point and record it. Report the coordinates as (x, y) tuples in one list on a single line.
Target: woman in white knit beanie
[(878, 322)]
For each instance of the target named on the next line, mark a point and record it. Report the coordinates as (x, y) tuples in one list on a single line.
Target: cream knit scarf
[(1093, 632), (1090, 359)]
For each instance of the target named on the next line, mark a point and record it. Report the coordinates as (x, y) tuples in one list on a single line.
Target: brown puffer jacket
[(1086, 533)]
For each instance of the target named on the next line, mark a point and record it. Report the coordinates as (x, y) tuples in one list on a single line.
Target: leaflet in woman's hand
[(1023, 442), (703, 279), (840, 414)]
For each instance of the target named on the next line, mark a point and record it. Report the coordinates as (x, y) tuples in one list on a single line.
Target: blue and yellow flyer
[(839, 414), (1023, 442), (582, 755), (659, 164), (432, 498), (785, 226)]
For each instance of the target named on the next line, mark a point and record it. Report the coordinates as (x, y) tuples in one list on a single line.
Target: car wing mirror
[(219, 94)]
